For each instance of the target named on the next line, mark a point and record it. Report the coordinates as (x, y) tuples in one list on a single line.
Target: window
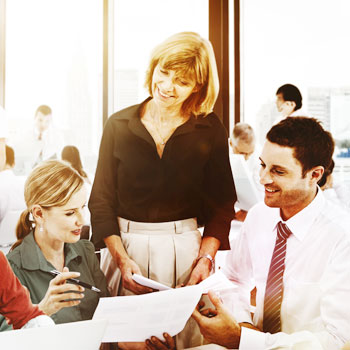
[(138, 27), (54, 57), (302, 43)]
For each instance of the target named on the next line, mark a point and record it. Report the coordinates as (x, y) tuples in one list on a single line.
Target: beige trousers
[(165, 252)]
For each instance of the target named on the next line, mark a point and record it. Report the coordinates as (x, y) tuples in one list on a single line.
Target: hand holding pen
[(61, 294)]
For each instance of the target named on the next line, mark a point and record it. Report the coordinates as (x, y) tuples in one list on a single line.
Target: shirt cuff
[(251, 339), (39, 321)]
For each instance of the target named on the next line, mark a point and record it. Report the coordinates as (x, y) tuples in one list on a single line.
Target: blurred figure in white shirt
[(11, 187), (243, 142), (71, 155), (335, 191), (41, 143), (289, 101)]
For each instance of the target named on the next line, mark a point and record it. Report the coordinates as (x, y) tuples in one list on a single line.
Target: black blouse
[(192, 179)]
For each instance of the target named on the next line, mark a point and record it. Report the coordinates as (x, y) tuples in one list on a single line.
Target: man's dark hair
[(327, 172), (313, 146), (10, 156), (43, 109), (291, 93)]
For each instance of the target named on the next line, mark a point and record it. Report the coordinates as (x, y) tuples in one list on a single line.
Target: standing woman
[(164, 166)]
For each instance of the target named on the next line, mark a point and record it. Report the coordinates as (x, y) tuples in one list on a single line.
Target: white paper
[(218, 282), (138, 317), (149, 283), (85, 335)]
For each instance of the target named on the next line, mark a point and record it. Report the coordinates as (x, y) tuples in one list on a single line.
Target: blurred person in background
[(334, 190), (243, 142), (43, 141), (11, 186), (71, 154), (289, 101)]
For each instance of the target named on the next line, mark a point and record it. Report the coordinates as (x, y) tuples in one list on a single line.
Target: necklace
[(157, 124), (163, 140)]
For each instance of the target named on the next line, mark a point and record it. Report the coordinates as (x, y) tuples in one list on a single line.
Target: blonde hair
[(51, 184), (191, 57)]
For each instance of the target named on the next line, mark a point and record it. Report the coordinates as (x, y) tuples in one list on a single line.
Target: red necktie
[(274, 284)]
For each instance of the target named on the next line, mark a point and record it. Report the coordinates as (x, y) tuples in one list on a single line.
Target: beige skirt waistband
[(178, 226)]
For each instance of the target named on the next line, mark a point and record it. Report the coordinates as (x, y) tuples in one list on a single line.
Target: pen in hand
[(76, 281)]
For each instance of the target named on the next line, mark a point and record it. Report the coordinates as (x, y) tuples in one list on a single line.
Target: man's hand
[(156, 344), (200, 272), (218, 326), (127, 268), (61, 294)]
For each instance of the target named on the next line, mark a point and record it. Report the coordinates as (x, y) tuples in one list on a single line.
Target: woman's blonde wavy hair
[(192, 57), (51, 184)]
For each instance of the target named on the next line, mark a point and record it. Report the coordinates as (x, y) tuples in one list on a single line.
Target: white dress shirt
[(31, 148), (315, 311), (11, 192)]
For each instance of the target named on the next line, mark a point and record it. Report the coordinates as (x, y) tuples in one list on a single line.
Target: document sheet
[(138, 317)]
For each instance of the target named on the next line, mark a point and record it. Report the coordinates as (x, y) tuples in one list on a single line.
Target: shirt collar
[(32, 257), (132, 115), (301, 222)]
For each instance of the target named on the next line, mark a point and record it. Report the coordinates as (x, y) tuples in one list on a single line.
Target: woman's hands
[(201, 271), (61, 294), (127, 268), (126, 265)]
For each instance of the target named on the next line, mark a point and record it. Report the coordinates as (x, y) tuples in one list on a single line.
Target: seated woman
[(55, 196), (15, 304)]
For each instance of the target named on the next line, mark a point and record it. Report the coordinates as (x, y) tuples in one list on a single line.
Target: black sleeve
[(103, 198), (220, 193)]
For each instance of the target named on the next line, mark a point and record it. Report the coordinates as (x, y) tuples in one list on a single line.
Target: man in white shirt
[(242, 142), (40, 143), (289, 100), (312, 264)]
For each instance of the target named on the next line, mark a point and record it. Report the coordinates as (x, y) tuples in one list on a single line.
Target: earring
[(41, 229)]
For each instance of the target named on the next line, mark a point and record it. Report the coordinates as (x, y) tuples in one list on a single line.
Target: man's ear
[(291, 105), (316, 173)]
